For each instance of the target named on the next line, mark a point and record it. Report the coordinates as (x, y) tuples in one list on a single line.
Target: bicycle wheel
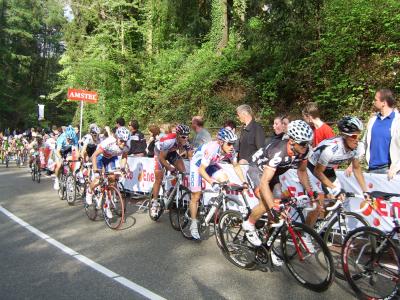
[(307, 257), (335, 235), (113, 208), (33, 173), (61, 190), (184, 217), (70, 188), (7, 161), (235, 246), (160, 204), (38, 173), (184, 195), (371, 264)]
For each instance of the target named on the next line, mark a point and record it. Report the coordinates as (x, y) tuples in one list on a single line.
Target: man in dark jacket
[(252, 136), (137, 141)]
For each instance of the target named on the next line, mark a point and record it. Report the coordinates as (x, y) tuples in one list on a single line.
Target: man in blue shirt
[(382, 138)]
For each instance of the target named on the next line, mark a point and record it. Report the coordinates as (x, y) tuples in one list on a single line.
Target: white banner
[(141, 179), (40, 112)]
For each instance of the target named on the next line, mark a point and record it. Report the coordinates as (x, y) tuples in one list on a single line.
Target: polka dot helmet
[(300, 131)]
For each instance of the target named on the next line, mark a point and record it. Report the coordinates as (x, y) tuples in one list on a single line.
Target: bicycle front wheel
[(61, 190), (307, 257), (33, 173), (113, 208), (38, 174), (70, 189), (235, 246), (335, 234), (184, 196), (155, 213), (371, 264)]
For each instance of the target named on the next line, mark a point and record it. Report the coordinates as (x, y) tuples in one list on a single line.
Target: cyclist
[(66, 142), (90, 141), (205, 164), (330, 153), (269, 163), (166, 156), (106, 155), (4, 148), (34, 147), (19, 146)]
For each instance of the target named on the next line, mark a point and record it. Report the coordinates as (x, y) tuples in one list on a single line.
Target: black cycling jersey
[(278, 155)]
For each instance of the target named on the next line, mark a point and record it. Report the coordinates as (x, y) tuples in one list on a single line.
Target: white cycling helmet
[(350, 125), (93, 128), (300, 131), (122, 133), (226, 135)]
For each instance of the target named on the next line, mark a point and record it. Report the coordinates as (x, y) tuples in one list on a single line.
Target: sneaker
[(108, 212), (276, 261), (251, 233), (89, 198), (56, 185), (194, 230), (307, 241), (154, 208)]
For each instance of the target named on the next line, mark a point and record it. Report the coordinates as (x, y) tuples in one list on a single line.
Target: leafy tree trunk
[(225, 26)]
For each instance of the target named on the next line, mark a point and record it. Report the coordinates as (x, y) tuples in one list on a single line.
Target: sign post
[(82, 96)]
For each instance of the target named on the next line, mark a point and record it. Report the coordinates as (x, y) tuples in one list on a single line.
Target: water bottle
[(214, 205)]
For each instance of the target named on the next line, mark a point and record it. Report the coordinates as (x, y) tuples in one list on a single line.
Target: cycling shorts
[(172, 157), (195, 179), (109, 164)]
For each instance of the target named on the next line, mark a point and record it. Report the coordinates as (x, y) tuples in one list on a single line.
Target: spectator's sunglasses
[(353, 136)]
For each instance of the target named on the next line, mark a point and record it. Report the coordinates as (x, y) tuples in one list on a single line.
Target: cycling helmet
[(70, 133), (226, 135), (300, 131), (350, 125), (93, 128), (122, 133), (182, 129)]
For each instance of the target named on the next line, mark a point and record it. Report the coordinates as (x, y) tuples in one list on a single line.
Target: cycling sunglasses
[(230, 144), (184, 137), (353, 136), (303, 144)]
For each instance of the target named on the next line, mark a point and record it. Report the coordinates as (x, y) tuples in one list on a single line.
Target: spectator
[(252, 136), (382, 136), (154, 133), (137, 141), (165, 129), (322, 131), (231, 125), (120, 122), (202, 135)]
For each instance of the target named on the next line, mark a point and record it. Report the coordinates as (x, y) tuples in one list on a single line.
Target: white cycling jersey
[(111, 149), (332, 152)]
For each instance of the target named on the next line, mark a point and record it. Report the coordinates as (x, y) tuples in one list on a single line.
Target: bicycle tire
[(33, 173), (155, 218), (238, 251), (335, 242), (184, 217), (6, 161), (173, 209), (117, 208), (70, 189), (324, 275), (373, 239), (38, 175), (61, 190)]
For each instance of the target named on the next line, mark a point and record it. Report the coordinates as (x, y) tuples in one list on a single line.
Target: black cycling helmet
[(350, 125), (182, 130)]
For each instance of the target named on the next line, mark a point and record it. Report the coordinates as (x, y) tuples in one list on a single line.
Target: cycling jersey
[(332, 152), (62, 141), (278, 155), (209, 155), (91, 144), (168, 144), (111, 149)]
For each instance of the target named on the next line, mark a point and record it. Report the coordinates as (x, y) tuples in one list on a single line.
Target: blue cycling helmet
[(70, 133), (226, 135)]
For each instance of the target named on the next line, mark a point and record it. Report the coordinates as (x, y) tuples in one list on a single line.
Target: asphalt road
[(148, 257)]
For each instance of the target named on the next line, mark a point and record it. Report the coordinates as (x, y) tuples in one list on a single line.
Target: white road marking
[(87, 261)]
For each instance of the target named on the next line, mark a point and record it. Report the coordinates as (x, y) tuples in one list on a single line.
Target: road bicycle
[(335, 226), (371, 257), (67, 182), (172, 194), (208, 215), (35, 169), (107, 199), (303, 251)]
